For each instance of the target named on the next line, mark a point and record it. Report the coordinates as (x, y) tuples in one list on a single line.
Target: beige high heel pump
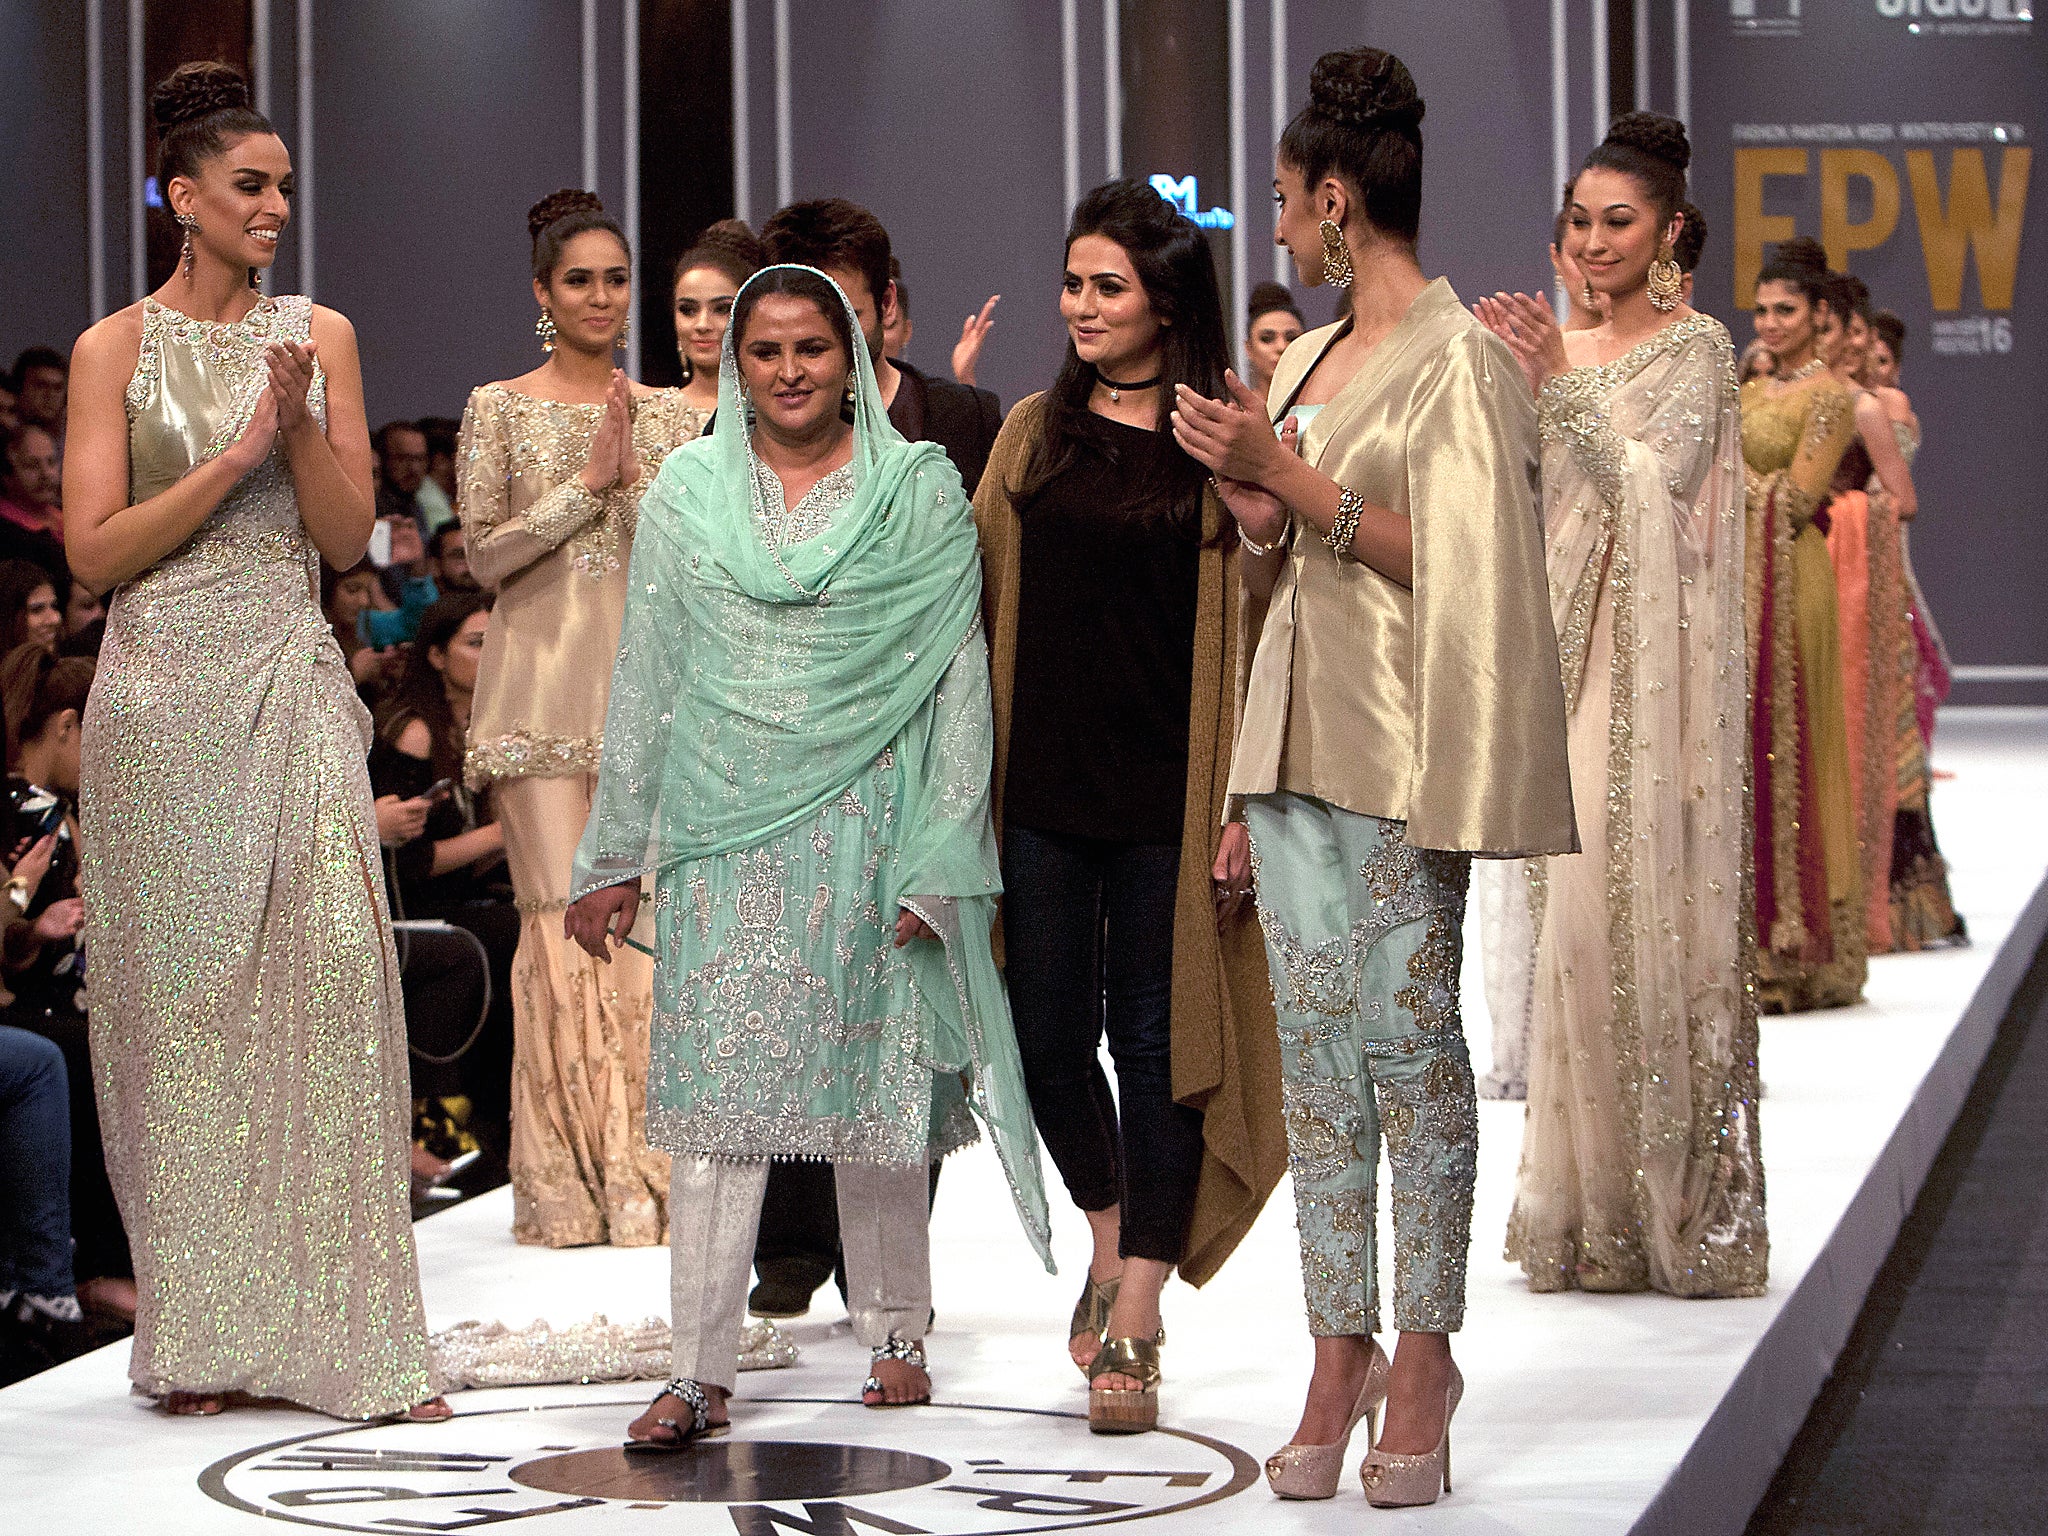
[(1298, 1471), (1395, 1481)]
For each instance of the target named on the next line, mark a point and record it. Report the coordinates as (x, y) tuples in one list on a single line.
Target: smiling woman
[(246, 1023)]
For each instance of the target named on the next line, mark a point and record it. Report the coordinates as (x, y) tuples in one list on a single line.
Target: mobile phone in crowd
[(380, 543), (439, 790)]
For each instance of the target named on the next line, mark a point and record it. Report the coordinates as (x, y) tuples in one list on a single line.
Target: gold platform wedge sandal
[(1395, 1481), (1299, 1471), (1119, 1411), (1091, 1315)]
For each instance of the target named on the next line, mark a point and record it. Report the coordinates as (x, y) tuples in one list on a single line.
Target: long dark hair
[(35, 688), (421, 695), (1171, 257), (18, 582)]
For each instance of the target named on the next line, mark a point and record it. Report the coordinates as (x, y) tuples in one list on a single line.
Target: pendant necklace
[(1116, 390)]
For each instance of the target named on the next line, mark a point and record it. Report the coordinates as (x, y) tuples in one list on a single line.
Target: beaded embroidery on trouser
[(1364, 940)]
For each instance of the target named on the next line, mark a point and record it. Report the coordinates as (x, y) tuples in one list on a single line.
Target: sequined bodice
[(195, 384), (1908, 438), (1772, 424)]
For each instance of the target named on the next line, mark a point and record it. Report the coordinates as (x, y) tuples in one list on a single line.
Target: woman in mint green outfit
[(797, 749)]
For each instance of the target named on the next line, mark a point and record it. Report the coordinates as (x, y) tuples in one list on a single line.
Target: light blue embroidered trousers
[(1364, 939)]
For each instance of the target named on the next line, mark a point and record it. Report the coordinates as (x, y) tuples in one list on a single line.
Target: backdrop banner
[(1901, 134)]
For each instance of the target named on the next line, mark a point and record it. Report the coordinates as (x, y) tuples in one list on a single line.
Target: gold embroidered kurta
[(1438, 705), (556, 555)]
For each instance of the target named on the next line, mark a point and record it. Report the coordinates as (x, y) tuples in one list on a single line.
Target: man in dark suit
[(850, 246)]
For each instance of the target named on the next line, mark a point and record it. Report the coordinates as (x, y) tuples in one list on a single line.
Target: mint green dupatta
[(755, 684)]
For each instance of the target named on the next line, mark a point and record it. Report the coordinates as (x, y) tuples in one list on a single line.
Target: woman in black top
[(445, 860), (1111, 616), (42, 959)]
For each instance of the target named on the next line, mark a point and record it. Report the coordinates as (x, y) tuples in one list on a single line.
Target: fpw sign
[(1957, 209)]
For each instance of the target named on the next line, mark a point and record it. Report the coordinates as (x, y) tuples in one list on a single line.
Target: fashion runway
[(1582, 1415)]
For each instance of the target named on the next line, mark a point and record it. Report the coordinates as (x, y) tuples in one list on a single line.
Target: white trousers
[(714, 1209)]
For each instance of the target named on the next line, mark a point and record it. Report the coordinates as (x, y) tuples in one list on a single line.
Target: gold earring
[(1337, 268), (188, 223), (1592, 298), (849, 389), (619, 341), (544, 328), (1667, 281)]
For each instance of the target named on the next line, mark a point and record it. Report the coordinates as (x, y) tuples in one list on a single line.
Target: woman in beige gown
[(247, 1033), (552, 468), (1640, 1164)]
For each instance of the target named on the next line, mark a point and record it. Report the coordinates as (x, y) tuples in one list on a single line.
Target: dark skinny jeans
[(1088, 943), (35, 1166)]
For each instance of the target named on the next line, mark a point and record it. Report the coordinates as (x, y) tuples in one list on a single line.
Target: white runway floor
[(1579, 1410)]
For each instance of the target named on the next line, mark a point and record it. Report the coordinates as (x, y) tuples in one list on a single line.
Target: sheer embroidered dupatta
[(1640, 1159)]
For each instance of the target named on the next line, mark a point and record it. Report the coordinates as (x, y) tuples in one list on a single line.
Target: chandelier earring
[(1667, 281), (625, 327), (188, 223), (1337, 269), (1592, 298), (544, 328)]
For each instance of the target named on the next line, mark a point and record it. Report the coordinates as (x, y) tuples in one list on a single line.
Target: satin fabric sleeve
[(502, 542), (1489, 773)]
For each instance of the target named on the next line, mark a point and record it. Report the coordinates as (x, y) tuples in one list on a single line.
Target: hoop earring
[(1337, 269), (544, 328), (188, 223), (1667, 281)]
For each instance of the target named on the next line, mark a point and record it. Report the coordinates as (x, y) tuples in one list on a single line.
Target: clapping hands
[(612, 459), (1531, 331)]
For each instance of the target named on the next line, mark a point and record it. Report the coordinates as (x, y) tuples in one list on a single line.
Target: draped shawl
[(754, 684)]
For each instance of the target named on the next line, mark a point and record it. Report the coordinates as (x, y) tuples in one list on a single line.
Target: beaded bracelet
[(1344, 528), (1259, 551)]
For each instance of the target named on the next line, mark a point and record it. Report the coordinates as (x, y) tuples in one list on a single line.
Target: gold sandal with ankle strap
[(1118, 1410), (1091, 1313)]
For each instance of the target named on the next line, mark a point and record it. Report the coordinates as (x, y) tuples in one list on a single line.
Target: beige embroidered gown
[(248, 1039), (1640, 1160), (582, 1171)]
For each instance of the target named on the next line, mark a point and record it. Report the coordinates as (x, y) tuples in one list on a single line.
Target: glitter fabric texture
[(1363, 937), (247, 1035)]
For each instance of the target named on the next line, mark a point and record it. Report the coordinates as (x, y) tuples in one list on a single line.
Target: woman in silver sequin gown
[(247, 1035)]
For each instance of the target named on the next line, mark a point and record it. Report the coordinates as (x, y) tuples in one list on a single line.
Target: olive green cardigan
[(1226, 1054)]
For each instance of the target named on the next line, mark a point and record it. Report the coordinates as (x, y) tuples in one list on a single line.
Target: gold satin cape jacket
[(1440, 706)]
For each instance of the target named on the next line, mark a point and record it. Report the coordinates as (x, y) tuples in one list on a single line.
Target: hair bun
[(1269, 296), (1802, 251), (1653, 134), (1366, 89), (196, 90), (559, 205), (732, 237)]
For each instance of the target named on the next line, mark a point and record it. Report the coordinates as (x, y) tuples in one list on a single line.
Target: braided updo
[(1653, 150), (1363, 122), (199, 109), (561, 216)]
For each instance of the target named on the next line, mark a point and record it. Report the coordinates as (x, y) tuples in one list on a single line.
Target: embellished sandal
[(1091, 1312), (698, 1402), (910, 1352), (1117, 1410)]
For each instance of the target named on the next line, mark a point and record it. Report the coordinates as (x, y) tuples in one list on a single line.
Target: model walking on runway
[(1404, 713), (248, 1036), (552, 467), (798, 751), (1112, 594), (1640, 1164)]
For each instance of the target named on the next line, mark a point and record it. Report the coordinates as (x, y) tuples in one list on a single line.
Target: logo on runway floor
[(793, 1467)]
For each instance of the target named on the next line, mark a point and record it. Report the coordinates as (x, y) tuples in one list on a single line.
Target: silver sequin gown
[(247, 1034)]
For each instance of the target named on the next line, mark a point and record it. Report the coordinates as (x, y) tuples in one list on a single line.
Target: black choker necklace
[(1116, 390)]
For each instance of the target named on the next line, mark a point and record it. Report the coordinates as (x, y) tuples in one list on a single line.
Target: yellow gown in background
[(1811, 950), (582, 1171)]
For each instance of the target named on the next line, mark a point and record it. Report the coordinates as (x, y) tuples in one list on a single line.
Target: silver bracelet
[(1259, 551), (1344, 528)]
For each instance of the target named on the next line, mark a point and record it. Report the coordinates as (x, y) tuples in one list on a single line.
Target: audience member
[(42, 380), (436, 493), (346, 597), (41, 957), (82, 610), (31, 518), (10, 413), (29, 613), (448, 560), (402, 470), (40, 1320), (897, 328)]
